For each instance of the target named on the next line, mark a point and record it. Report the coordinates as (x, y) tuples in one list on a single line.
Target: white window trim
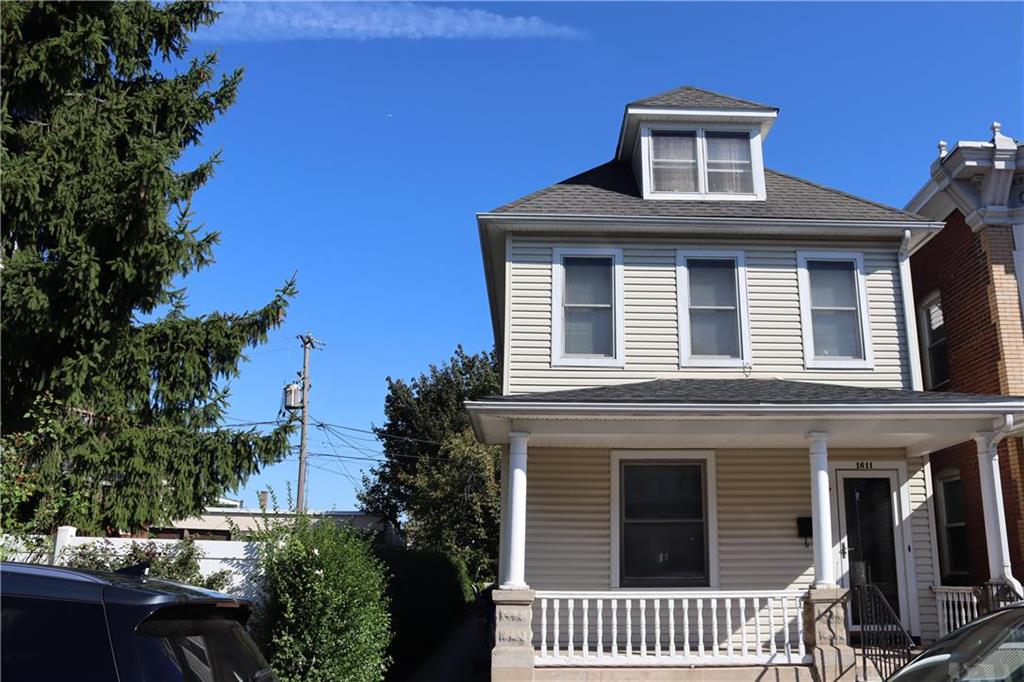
[(686, 357), (806, 325), (711, 495), (558, 356), (924, 338), (756, 162), (940, 512)]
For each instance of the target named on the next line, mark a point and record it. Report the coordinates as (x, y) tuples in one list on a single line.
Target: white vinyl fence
[(237, 557)]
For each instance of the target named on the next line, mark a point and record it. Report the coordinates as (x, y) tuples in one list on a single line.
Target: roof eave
[(569, 222), (894, 409), (627, 130)]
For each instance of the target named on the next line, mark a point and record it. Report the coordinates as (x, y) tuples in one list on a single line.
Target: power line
[(341, 462), (382, 435)]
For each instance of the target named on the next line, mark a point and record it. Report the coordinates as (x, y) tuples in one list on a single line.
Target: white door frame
[(896, 472)]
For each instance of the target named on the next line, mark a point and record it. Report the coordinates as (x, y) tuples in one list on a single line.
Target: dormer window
[(674, 161), (729, 167), (700, 163)]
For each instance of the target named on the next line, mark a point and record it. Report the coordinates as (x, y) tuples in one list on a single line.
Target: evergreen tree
[(112, 395)]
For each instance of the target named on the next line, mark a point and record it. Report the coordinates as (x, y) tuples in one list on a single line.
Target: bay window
[(713, 319), (833, 310), (587, 307)]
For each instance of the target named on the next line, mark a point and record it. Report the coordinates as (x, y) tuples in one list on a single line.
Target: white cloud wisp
[(278, 21)]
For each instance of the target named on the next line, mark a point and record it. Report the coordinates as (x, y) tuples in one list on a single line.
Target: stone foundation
[(512, 655), (826, 637)]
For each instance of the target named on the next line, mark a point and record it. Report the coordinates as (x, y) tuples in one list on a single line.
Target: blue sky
[(366, 137)]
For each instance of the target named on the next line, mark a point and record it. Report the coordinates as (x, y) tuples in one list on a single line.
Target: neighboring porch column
[(992, 506), (515, 576), (821, 512)]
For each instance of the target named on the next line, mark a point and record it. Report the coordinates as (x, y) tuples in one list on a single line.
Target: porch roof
[(743, 413)]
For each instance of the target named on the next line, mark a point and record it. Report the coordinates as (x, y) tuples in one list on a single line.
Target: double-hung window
[(587, 318), (664, 536), (933, 343), (834, 310), (694, 163), (730, 170), (952, 524), (674, 161), (713, 320)]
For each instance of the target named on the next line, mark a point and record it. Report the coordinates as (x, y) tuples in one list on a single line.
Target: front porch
[(605, 568)]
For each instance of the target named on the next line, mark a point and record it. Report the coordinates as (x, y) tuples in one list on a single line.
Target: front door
[(870, 536)]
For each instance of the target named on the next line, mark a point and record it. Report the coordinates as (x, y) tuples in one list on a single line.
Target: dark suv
[(63, 624)]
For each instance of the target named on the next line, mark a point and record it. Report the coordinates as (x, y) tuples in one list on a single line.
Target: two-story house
[(969, 295), (711, 413)]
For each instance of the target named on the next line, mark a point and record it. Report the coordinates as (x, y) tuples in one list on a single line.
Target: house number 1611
[(865, 465)]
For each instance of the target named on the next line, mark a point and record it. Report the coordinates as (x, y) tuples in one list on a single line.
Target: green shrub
[(176, 561), (428, 592), (323, 614)]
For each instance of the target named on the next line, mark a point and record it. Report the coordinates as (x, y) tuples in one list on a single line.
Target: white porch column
[(821, 512), (503, 520), (992, 506), (515, 577)]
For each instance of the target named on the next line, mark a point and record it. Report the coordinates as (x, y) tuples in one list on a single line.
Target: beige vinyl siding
[(760, 494), (652, 325)]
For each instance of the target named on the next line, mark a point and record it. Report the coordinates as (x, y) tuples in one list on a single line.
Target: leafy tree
[(454, 505), (426, 445), (112, 394)]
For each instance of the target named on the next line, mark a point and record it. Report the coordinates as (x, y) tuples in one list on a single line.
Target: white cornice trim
[(623, 222), (894, 410)]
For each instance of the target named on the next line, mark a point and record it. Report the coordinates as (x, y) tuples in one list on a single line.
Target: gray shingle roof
[(748, 391), (689, 97), (610, 190)]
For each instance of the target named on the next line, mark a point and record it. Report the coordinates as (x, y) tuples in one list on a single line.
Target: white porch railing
[(957, 607), (655, 628)]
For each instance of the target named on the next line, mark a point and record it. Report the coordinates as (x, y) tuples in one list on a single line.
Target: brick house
[(969, 295)]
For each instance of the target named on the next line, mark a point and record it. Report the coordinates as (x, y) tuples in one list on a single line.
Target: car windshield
[(991, 648), (198, 645)]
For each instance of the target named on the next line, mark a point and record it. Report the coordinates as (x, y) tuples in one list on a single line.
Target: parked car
[(64, 624), (987, 649)]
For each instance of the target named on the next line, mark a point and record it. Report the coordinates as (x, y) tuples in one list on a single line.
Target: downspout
[(1018, 262), (997, 436), (909, 315)]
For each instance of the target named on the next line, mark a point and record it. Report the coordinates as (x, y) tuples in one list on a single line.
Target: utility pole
[(308, 344)]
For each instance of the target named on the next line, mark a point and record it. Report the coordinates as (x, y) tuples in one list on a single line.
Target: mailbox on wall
[(804, 529)]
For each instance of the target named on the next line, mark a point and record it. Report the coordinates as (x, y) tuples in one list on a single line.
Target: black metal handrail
[(995, 594), (883, 641)]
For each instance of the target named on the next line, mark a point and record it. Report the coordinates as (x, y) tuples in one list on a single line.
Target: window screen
[(714, 307), (663, 524), (674, 161), (835, 313), (729, 165), (588, 297)]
